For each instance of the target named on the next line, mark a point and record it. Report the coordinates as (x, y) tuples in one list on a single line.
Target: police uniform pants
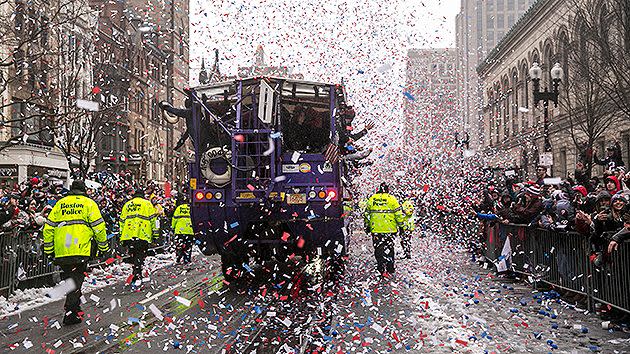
[(137, 252), (384, 252), (405, 242), (184, 247), (76, 272)]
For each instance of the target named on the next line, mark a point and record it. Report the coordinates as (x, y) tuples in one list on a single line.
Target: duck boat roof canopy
[(291, 88)]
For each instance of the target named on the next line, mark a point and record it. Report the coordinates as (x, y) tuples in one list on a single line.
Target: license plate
[(296, 198)]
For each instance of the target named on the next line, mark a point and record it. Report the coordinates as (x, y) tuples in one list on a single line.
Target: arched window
[(515, 100), (562, 51), (505, 107), (547, 64), (525, 93)]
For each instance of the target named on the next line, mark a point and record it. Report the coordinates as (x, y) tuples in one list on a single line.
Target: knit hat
[(78, 186), (618, 196), (615, 180), (533, 190), (580, 189), (603, 195)]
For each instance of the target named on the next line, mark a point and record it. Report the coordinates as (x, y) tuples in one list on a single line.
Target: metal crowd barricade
[(611, 283), (22, 259), (561, 260), (8, 255)]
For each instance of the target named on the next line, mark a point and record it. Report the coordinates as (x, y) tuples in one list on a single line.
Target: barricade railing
[(22, 258), (561, 260)]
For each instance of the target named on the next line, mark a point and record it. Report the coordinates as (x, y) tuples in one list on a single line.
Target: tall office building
[(480, 26), (429, 90)]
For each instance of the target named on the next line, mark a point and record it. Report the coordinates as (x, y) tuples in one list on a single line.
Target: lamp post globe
[(535, 72), (556, 72)]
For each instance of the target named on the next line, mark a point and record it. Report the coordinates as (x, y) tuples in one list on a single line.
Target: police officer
[(384, 217), (182, 228), (72, 224), (138, 228), (409, 225)]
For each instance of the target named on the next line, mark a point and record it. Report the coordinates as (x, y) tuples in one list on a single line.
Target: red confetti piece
[(110, 261), (462, 342), (285, 236), (176, 293), (300, 243), (251, 188), (239, 137), (96, 90)]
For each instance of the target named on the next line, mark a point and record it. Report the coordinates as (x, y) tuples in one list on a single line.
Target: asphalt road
[(437, 302)]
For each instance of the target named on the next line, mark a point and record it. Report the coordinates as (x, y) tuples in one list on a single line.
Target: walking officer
[(182, 228), (384, 217), (72, 224), (409, 225), (138, 229)]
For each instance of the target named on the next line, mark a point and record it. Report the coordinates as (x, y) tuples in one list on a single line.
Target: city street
[(232, 176), (437, 302)]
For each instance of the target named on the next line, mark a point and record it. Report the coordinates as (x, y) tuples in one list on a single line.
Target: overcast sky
[(230, 26), (362, 42)]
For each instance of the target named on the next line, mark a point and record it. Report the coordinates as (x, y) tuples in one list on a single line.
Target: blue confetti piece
[(257, 309), (409, 96), (275, 135), (133, 320), (360, 71), (234, 224)]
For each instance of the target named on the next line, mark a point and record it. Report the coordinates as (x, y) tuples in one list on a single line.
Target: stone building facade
[(512, 125), (142, 60), (430, 89), (480, 25)]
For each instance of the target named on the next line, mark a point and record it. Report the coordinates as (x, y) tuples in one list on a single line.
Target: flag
[(505, 260), (332, 153)]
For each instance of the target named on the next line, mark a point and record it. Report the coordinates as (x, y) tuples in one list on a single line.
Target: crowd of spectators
[(596, 207), (25, 206)]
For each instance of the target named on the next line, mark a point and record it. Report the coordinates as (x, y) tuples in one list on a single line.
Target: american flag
[(332, 153)]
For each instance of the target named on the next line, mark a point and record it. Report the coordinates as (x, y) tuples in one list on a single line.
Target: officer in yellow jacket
[(73, 223), (182, 228), (384, 217), (409, 225), (138, 229)]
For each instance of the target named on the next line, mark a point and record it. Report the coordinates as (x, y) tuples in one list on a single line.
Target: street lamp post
[(535, 72)]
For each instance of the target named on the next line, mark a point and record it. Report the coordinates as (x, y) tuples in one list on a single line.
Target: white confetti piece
[(27, 343), (183, 301), (156, 312), (380, 329)]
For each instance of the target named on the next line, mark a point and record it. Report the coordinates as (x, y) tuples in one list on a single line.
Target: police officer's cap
[(78, 186), (138, 192), (383, 188)]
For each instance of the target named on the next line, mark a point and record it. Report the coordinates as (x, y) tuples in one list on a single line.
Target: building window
[(500, 21), (510, 21), (562, 164), (500, 5), (521, 5), (490, 22), (510, 5)]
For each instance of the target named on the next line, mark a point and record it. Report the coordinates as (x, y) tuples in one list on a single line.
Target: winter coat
[(525, 214)]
